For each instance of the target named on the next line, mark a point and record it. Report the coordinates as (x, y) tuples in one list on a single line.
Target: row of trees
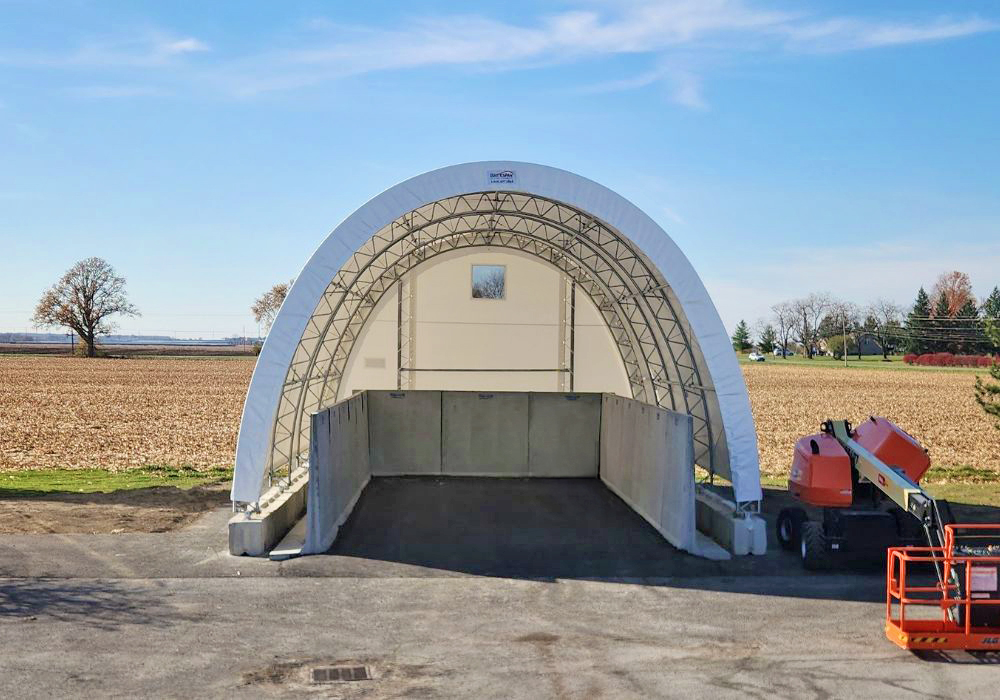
[(950, 320), (820, 322), (947, 320)]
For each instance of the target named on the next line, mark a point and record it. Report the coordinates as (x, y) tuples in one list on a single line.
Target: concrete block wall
[(405, 430), (647, 458), (339, 469), (478, 433), (564, 435), (255, 534)]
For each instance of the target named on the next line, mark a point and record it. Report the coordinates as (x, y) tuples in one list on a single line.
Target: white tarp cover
[(256, 429)]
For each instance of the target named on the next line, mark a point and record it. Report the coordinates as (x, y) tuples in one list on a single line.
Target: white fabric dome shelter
[(671, 341)]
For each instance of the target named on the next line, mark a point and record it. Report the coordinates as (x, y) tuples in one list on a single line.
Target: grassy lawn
[(895, 362), (31, 482)]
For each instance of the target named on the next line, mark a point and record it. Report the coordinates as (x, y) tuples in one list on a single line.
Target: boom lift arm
[(891, 481), (894, 483)]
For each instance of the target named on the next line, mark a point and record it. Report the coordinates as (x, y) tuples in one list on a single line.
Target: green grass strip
[(45, 481)]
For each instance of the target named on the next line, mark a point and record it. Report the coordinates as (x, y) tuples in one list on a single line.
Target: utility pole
[(843, 319)]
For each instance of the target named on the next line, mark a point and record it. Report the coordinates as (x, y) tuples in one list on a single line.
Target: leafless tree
[(83, 300), (757, 329), (885, 319), (846, 317), (808, 313), (784, 323), (489, 285), (266, 306)]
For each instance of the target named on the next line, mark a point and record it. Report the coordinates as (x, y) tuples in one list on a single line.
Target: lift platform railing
[(966, 596)]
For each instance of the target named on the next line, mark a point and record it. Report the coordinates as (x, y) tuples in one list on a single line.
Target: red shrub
[(946, 359)]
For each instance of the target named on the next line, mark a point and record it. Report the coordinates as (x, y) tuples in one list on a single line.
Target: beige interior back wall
[(452, 330)]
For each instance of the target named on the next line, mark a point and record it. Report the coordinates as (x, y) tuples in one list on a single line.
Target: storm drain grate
[(332, 674)]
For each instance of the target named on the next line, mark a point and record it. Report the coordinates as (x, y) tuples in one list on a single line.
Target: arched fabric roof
[(671, 340)]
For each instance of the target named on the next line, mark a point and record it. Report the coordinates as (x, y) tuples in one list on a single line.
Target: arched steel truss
[(654, 341)]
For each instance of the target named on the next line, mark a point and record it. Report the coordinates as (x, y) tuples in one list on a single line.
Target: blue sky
[(205, 149)]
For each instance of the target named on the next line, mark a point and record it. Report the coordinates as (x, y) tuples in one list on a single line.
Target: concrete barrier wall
[(339, 469), (476, 433), (564, 434), (647, 458), (484, 433), (405, 429)]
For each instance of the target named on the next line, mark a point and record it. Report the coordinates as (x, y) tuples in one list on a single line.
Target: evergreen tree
[(768, 339), (942, 327), (917, 324), (991, 307), (991, 314), (741, 338), (988, 392), (969, 330)]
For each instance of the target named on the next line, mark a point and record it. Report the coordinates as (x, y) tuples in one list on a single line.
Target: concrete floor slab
[(174, 615)]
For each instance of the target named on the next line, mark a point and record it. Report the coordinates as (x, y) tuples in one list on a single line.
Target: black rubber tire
[(788, 528), (944, 509), (815, 554)]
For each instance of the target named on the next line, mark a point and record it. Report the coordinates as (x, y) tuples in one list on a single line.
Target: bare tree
[(784, 322), (83, 300), (885, 322), (266, 306), (808, 313), (845, 318), (489, 285)]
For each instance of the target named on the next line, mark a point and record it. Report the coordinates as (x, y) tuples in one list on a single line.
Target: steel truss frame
[(656, 345)]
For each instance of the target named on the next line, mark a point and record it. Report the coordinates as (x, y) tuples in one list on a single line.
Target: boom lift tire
[(815, 555), (789, 528)]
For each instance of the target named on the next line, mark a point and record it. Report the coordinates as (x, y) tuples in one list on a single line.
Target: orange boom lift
[(941, 577)]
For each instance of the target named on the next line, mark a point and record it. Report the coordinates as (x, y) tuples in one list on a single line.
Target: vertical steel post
[(399, 334), (572, 334)]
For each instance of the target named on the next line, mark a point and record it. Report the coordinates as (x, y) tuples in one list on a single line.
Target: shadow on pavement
[(547, 529), (95, 603), (964, 658)]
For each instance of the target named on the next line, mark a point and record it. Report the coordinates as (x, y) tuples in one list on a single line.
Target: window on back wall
[(489, 281)]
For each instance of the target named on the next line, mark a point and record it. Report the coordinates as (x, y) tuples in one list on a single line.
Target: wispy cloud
[(845, 34), (683, 85), (321, 50), (656, 28), (178, 46), (143, 50)]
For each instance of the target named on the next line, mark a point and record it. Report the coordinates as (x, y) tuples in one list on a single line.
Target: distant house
[(869, 346)]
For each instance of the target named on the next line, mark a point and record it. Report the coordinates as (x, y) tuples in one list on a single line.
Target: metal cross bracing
[(661, 360)]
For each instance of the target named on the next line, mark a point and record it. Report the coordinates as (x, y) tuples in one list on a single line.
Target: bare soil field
[(117, 414), (937, 408)]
